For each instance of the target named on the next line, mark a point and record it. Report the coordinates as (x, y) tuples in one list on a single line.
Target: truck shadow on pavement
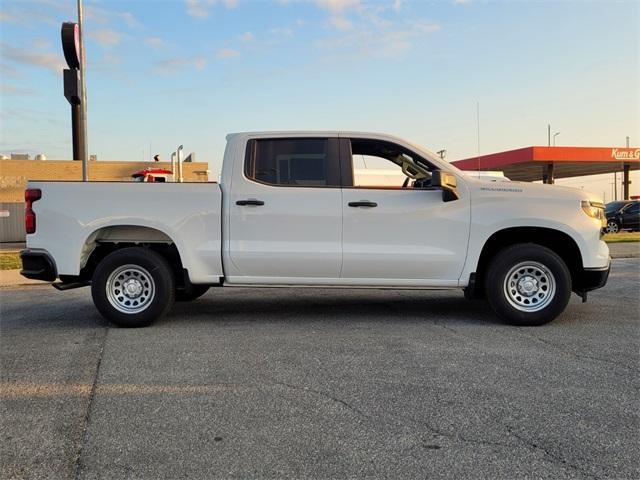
[(40, 308), (301, 305), (43, 308)]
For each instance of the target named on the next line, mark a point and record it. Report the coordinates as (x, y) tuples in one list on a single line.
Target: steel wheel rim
[(130, 289), (612, 227), (529, 286)]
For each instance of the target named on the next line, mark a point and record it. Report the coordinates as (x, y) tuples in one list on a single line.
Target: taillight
[(30, 196)]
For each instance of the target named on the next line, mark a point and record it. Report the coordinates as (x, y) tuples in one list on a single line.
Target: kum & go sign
[(625, 153)]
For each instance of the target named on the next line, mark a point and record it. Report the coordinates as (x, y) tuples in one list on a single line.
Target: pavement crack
[(87, 416), (573, 354), (398, 420), (324, 395), (557, 459), (456, 437), (442, 325)]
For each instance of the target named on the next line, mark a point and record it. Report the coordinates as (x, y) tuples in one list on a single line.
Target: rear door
[(397, 230), (285, 213)]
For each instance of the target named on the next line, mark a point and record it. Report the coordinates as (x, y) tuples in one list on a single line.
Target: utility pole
[(626, 167), (478, 123), (83, 105), (75, 88), (548, 134)]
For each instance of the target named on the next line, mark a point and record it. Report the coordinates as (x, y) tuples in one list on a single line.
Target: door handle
[(363, 203), (250, 201)]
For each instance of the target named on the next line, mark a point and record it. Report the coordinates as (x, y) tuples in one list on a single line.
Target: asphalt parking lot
[(306, 383)]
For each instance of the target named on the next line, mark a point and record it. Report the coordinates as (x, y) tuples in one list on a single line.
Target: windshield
[(614, 206), (435, 159)]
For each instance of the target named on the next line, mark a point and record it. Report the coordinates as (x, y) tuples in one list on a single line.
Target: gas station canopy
[(546, 163)]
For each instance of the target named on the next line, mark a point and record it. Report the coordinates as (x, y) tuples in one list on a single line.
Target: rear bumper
[(38, 265)]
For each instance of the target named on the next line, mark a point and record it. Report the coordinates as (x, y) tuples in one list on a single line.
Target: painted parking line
[(47, 390)]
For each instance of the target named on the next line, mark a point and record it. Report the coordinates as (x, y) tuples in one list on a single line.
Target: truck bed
[(72, 217)]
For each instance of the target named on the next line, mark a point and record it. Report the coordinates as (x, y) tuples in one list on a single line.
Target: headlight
[(595, 210)]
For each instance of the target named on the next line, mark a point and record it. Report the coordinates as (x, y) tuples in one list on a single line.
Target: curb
[(624, 250), (12, 278)]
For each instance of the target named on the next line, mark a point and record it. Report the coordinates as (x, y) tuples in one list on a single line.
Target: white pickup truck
[(293, 209)]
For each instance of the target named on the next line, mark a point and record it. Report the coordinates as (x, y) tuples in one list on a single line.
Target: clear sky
[(161, 73)]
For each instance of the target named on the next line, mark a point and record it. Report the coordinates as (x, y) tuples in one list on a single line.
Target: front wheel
[(133, 287), (528, 284)]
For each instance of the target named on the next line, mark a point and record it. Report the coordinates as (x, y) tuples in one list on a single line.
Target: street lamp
[(554, 138)]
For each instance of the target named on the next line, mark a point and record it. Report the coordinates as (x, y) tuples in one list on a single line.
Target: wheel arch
[(107, 239), (555, 240)]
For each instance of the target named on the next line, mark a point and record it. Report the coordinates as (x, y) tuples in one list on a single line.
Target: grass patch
[(10, 261), (622, 237)]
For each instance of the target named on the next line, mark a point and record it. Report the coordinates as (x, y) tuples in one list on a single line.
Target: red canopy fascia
[(497, 161)]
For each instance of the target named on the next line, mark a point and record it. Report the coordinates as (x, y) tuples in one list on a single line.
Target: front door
[(397, 230), (285, 213)]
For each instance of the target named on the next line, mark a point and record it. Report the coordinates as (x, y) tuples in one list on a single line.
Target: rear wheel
[(528, 284), (133, 287), (196, 291)]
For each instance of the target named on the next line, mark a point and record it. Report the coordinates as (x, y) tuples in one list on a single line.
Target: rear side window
[(294, 162)]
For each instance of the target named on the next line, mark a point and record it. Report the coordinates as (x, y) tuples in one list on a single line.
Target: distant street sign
[(71, 44)]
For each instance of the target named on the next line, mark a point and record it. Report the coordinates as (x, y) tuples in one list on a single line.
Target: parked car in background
[(623, 216)]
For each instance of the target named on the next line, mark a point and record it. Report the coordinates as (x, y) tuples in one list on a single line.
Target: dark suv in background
[(623, 216)]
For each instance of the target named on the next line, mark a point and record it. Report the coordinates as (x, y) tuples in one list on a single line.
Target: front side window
[(633, 209), (614, 206), (298, 162), (380, 164)]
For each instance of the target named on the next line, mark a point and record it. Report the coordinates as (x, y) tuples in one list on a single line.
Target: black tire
[(196, 291), (538, 279), (154, 278)]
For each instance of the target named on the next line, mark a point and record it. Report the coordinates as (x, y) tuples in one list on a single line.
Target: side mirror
[(446, 182)]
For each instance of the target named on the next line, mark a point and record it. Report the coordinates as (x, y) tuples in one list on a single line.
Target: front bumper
[(591, 279), (38, 265)]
